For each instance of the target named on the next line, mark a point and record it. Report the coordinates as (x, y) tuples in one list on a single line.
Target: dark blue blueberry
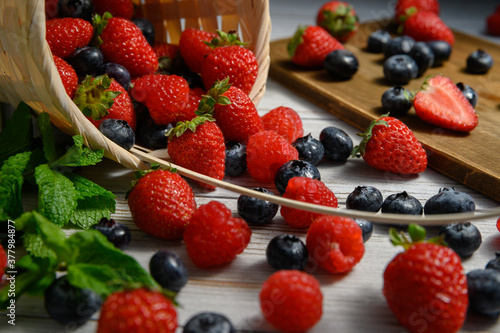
[(377, 41), (83, 9), (151, 135), (256, 211), (309, 149), (236, 158), (479, 62), (70, 305), (337, 143), (117, 233), (399, 45), (209, 322), (400, 69), (366, 228), (484, 291), (469, 93), (294, 168), (448, 200), (86, 60), (464, 238), (341, 64), (423, 56), (287, 252), (117, 72), (147, 28), (402, 203), (441, 51), (397, 100), (365, 198), (118, 131), (494, 263), (168, 269)]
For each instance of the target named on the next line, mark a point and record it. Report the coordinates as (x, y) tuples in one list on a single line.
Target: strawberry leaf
[(93, 97), (359, 150), (225, 39), (296, 40)]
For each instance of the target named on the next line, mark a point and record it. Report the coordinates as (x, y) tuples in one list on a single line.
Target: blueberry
[(464, 238), (400, 69), (309, 149), (294, 168), (117, 72), (86, 60), (119, 132), (399, 45), (402, 203), (147, 28), (484, 291), (70, 305), (341, 64), (168, 269), (469, 93), (448, 200), (209, 322), (494, 263), (287, 252), (337, 143), (441, 51), (397, 100), (83, 9), (377, 41), (236, 162), (423, 56), (117, 233), (365, 198), (151, 135), (366, 227), (479, 62), (256, 211)]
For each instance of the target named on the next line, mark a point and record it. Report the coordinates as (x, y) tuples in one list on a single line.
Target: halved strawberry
[(441, 103)]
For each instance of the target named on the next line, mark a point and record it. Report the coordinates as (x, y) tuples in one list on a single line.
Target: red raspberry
[(306, 190), (214, 237), (266, 152), (139, 311), (336, 243), (284, 120), (291, 300)]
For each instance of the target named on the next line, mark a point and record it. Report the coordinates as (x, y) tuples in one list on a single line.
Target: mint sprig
[(17, 136)]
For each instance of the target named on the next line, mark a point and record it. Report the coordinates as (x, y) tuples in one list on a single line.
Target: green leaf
[(17, 136), (77, 155), (90, 211), (102, 279), (87, 188), (417, 233), (11, 183), (49, 142)]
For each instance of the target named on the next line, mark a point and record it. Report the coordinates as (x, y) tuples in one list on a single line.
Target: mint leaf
[(17, 135), (57, 197), (77, 155), (49, 142), (11, 183), (102, 279), (87, 188)]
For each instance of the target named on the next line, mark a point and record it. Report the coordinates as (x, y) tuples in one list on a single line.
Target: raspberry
[(336, 243), (291, 300), (284, 120), (214, 237), (266, 152), (307, 190)]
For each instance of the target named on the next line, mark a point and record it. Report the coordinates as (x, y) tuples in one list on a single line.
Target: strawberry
[(168, 55), (493, 23), (118, 8), (425, 286), (51, 9), (426, 26), (65, 35), (193, 48), (188, 112), (198, 145), (68, 76), (422, 5), (161, 203), (440, 102), (389, 145), (101, 98), (122, 42), (3, 261), (310, 45), (339, 19), (138, 310), (284, 120)]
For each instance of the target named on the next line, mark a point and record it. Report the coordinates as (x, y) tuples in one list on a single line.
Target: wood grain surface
[(470, 158)]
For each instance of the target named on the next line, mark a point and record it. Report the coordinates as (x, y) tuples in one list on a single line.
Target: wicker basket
[(28, 73)]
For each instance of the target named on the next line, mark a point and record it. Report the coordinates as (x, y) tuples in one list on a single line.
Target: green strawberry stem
[(402, 18), (93, 97), (182, 126), (341, 21), (367, 135), (225, 39), (213, 97), (416, 235), (99, 23), (296, 40)]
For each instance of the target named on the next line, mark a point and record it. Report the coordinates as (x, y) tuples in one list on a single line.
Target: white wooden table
[(352, 303)]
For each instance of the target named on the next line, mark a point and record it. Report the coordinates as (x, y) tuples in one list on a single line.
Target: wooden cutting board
[(473, 159)]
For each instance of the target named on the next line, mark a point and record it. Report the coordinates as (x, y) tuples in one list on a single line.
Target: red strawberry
[(310, 45), (51, 9), (167, 54), (426, 26), (425, 286), (161, 203), (441, 103), (139, 310), (101, 98), (214, 237), (65, 35), (339, 19), (422, 5), (389, 145), (284, 120), (3, 261), (193, 48), (198, 145), (493, 23), (68, 76), (118, 8), (123, 43), (195, 96)]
